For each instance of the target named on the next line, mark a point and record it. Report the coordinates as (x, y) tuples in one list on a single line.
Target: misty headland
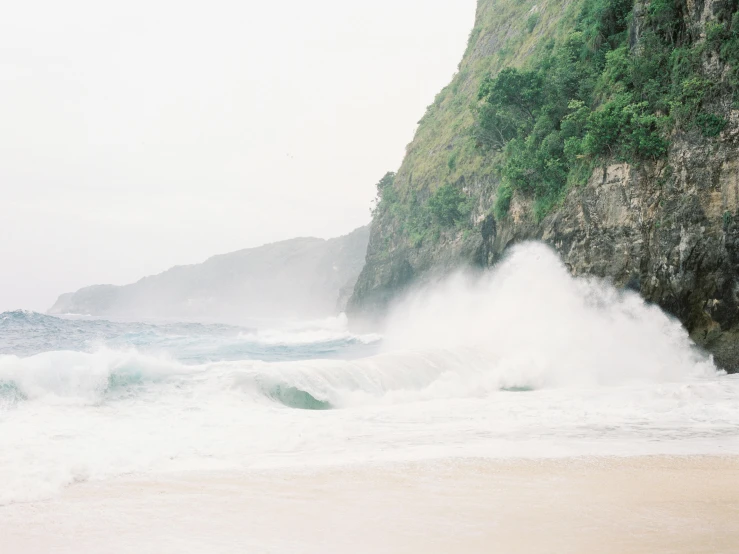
[(304, 278)]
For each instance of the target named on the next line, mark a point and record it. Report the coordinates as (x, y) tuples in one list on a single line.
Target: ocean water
[(523, 362)]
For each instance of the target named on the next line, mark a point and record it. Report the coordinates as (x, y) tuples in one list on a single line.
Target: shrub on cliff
[(449, 205), (593, 95), (386, 195)]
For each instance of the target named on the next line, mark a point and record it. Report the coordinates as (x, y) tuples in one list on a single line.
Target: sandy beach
[(605, 505)]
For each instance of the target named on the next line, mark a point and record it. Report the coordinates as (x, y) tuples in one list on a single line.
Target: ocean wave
[(82, 376), (24, 333), (527, 325), (327, 330), (523, 361), (309, 336)]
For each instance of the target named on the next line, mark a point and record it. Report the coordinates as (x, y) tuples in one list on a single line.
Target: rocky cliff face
[(667, 228), (305, 277)]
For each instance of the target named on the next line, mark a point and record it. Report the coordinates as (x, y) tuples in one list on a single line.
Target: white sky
[(142, 134)]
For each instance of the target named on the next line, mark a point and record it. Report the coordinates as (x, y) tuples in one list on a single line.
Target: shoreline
[(648, 504)]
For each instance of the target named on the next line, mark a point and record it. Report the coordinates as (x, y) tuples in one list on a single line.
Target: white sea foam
[(525, 361), (59, 375), (535, 325), (526, 325)]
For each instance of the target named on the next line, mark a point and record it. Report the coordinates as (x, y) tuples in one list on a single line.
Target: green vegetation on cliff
[(549, 90), (601, 92), (428, 198)]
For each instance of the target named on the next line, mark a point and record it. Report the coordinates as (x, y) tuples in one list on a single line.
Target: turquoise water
[(24, 333), (130, 349)]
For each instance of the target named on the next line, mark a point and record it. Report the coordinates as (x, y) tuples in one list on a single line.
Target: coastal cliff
[(302, 277), (605, 128)]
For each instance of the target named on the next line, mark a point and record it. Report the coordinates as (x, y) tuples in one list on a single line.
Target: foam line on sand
[(607, 505)]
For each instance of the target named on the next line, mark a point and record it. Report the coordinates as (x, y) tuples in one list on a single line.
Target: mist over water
[(523, 361)]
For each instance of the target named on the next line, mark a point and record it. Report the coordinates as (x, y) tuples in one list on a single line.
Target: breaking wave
[(82, 376), (328, 330), (522, 361), (526, 325)]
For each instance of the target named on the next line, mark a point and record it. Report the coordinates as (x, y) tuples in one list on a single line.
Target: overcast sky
[(139, 135)]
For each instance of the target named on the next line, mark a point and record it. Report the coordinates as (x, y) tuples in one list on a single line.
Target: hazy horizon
[(143, 136)]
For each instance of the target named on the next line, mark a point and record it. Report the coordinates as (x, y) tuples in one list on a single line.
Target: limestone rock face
[(668, 231)]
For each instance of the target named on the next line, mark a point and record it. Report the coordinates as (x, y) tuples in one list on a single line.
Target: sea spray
[(527, 324), (525, 361), (538, 326)]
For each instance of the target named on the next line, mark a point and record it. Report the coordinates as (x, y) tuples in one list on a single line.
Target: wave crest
[(525, 325), (81, 375)]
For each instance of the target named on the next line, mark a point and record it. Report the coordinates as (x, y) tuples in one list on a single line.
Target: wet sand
[(644, 505)]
